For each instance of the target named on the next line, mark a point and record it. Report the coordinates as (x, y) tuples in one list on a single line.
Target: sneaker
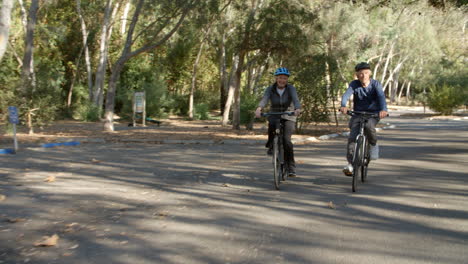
[(292, 175), (348, 170), (374, 152)]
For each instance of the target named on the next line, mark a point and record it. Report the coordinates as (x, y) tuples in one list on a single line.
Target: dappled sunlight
[(151, 202)]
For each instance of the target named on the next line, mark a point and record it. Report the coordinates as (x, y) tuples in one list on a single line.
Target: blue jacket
[(369, 99)]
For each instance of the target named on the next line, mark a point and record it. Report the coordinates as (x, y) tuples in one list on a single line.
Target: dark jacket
[(368, 99), (289, 101)]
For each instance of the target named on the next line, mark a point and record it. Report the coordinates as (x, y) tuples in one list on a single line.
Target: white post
[(14, 138)]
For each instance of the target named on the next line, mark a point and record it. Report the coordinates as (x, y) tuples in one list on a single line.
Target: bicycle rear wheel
[(276, 163)]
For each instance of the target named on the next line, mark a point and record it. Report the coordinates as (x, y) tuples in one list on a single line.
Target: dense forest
[(84, 59)]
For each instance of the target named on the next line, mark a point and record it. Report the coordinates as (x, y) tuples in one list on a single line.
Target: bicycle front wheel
[(276, 163), (364, 173), (356, 172), (365, 163)]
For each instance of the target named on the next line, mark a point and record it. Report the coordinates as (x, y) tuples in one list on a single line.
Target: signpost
[(139, 107), (13, 118)]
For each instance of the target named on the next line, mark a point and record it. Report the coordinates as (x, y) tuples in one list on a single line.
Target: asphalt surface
[(210, 203)]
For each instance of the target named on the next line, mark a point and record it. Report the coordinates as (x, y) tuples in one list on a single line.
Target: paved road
[(134, 203)]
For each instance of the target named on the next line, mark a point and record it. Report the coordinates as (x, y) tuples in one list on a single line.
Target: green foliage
[(444, 99), (247, 109), (427, 36), (178, 104), (201, 112), (310, 84), (87, 112)]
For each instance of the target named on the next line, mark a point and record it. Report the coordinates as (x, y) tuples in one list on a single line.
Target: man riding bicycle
[(283, 97), (368, 97)]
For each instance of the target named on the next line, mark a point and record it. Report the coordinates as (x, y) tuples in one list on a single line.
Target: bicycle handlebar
[(368, 114), (278, 113)]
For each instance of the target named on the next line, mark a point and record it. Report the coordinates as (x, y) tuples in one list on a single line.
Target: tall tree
[(160, 30), (5, 18), (28, 75), (85, 34)]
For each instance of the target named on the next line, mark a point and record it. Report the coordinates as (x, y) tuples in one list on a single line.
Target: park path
[(215, 203)]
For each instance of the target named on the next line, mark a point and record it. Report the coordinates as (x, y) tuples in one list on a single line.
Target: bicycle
[(361, 155), (279, 166)]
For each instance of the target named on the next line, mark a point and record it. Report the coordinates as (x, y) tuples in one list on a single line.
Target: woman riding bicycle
[(368, 97), (282, 97)]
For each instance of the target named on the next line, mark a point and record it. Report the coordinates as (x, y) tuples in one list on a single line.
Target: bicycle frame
[(279, 170), (361, 149)]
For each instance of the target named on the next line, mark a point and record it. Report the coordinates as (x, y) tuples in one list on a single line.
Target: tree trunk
[(231, 90), (194, 75), (401, 92), (395, 71), (223, 83), (28, 74), (101, 69), (408, 91), (387, 61), (124, 18), (394, 87), (5, 18), (24, 15), (237, 92), (72, 84), (85, 34), (100, 97), (258, 77), (127, 54)]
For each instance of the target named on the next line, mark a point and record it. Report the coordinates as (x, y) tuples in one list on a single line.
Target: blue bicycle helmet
[(282, 71)]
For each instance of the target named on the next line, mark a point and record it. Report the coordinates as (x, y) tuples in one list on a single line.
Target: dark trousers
[(369, 130), (289, 127)]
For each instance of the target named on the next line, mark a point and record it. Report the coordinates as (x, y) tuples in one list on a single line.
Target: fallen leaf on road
[(95, 161), (70, 228), (74, 246), (15, 220), (72, 224), (331, 205), (225, 185), (50, 179), (161, 215), (48, 241), (2, 197)]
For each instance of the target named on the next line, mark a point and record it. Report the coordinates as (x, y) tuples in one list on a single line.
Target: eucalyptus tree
[(270, 29), (161, 20), (28, 75), (5, 18), (206, 17)]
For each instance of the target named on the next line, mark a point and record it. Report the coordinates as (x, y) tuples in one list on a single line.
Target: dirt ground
[(173, 128), (178, 128)]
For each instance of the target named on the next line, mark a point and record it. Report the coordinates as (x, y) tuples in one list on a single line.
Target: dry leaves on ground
[(331, 205), (15, 220), (50, 179), (2, 197), (95, 161), (47, 241)]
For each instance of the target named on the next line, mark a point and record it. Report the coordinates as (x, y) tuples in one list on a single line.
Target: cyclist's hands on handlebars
[(258, 112), (383, 114), (344, 110)]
